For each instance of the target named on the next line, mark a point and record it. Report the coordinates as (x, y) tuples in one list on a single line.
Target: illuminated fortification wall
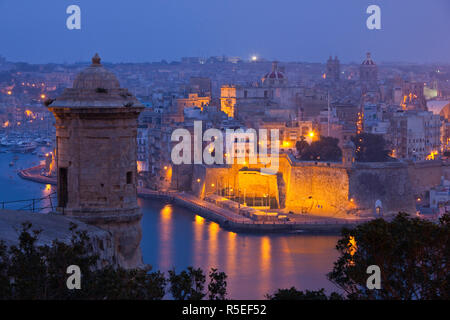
[(327, 189), (318, 189), (254, 184)]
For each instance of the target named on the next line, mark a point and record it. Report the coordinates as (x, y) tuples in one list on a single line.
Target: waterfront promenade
[(224, 217)]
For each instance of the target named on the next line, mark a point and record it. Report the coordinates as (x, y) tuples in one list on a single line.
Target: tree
[(301, 145), (324, 149), (370, 148), (190, 284), (29, 271), (218, 285), (294, 294), (412, 254)]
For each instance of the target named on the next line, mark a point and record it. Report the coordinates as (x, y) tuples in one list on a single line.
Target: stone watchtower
[(96, 129)]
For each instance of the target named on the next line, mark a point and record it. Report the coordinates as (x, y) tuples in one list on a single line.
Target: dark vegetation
[(370, 148), (324, 149), (413, 256)]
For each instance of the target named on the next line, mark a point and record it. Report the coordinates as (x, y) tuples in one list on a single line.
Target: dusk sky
[(287, 30)]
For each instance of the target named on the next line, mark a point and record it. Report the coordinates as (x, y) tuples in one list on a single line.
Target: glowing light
[(6, 124), (311, 134), (9, 93), (199, 219), (166, 212), (286, 144), (165, 167), (254, 58), (212, 185), (432, 155), (30, 114), (43, 96), (198, 180), (140, 166), (352, 247), (393, 153)]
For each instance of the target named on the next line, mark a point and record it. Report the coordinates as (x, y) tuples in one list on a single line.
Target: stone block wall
[(98, 152), (388, 182), (425, 175), (328, 189), (318, 189)]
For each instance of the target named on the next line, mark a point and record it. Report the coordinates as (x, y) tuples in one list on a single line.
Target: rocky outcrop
[(56, 227)]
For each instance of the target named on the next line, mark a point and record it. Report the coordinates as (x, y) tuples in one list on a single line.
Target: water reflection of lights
[(213, 231), (47, 190), (198, 243), (165, 250), (265, 253), (166, 212), (231, 254), (265, 264), (47, 203)]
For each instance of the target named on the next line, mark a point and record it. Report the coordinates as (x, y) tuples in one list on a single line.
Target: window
[(129, 177)]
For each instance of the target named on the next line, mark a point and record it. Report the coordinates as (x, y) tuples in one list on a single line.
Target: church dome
[(274, 77), (368, 61), (96, 76), (275, 73)]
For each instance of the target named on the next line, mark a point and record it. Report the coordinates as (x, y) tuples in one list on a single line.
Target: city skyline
[(222, 150), (159, 30)]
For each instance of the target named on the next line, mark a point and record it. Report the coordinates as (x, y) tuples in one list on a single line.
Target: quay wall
[(315, 227)]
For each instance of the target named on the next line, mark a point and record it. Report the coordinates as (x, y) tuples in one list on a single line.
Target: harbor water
[(174, 237)]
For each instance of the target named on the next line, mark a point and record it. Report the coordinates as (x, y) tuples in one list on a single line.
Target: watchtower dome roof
[(96, 76), (95, 87)]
